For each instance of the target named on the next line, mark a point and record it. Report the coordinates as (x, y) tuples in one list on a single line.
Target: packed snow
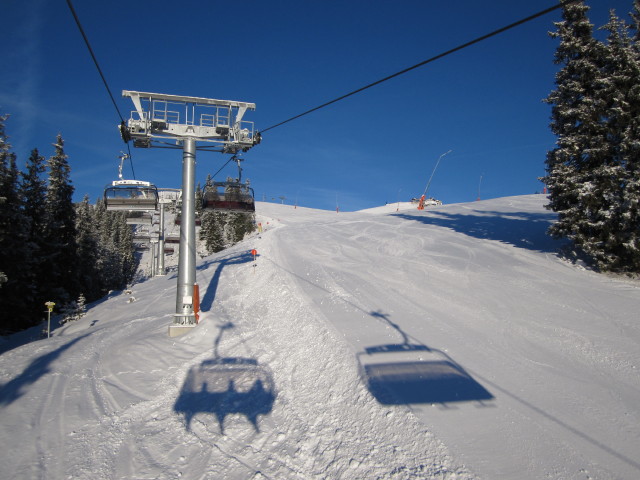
[(391, 343)]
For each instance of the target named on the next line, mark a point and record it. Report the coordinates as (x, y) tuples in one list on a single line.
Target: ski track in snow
[(548, 353)]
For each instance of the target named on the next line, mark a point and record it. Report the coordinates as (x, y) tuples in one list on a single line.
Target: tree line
[(593, 173), (52, 249)]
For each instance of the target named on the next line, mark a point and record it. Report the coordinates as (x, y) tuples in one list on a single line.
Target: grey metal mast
[(187, 263), (167, 121)]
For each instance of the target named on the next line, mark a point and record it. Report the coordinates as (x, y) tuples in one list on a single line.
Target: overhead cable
[(86, 41), (104, 80), (432, 59), (227, 163)]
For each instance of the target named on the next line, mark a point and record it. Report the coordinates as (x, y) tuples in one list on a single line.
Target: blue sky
[(483, 103)]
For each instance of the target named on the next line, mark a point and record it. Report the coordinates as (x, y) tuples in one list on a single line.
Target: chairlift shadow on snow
[(225, 386), (407, 373)]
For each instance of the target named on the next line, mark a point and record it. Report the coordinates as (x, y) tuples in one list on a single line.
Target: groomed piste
[(391, 343)]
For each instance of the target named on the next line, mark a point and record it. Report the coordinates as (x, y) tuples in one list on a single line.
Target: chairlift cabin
[(229, 197), (131, 195)]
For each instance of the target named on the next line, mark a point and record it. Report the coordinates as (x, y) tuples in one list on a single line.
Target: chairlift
[(130, 195), (229, 196)]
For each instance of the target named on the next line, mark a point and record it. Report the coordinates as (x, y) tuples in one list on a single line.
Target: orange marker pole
[(196, 302)]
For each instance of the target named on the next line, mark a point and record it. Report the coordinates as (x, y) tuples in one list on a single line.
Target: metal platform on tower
[(161, 118)]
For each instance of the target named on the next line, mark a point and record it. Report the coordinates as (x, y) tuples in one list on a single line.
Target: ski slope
[(389, 343)]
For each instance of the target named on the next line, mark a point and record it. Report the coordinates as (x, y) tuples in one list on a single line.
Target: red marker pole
[(254, 252)]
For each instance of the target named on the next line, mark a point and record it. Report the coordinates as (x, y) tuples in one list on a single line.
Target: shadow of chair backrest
[(396, 347), (416, 374), (225, 386)]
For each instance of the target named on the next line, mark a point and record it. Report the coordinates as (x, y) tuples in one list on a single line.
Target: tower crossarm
[(159, 117)]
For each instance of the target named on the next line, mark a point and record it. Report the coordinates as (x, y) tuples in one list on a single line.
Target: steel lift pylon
[(173, 121)]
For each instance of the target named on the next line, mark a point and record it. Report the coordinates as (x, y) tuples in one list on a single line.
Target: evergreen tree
[(15, 311), (74, 310), (33, 191), (618, 247), (125, 250), (593, 173), (88, 252), (239, 225), (117, 262), (579, 169), (108, 264), (199, 195), (60, 231), (211, 223), (635, 26), (211, 231)]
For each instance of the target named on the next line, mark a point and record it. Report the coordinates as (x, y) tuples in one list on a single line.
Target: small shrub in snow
[(74, 310)]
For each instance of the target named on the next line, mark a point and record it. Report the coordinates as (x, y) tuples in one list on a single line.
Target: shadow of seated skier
[(224, 386)]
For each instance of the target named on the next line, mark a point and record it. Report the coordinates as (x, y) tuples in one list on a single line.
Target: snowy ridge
[(450, 343)]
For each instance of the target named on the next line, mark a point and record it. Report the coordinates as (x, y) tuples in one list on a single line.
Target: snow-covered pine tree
[(576, 167), (199, 194), (212, 223), (631, 148), (593, 172), (88, 250), (74, 310), (68, 312), (82, 305), (211, 231), (111, 271), (125, 249), (60, 232), (15, 312), (619, 246), (635, 26), (239, 224), (33, 192)]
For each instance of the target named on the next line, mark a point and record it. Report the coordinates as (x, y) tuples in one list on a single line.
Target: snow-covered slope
[(388, 343)]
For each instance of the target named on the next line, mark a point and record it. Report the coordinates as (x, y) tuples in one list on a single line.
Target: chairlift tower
[(173, 121)]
